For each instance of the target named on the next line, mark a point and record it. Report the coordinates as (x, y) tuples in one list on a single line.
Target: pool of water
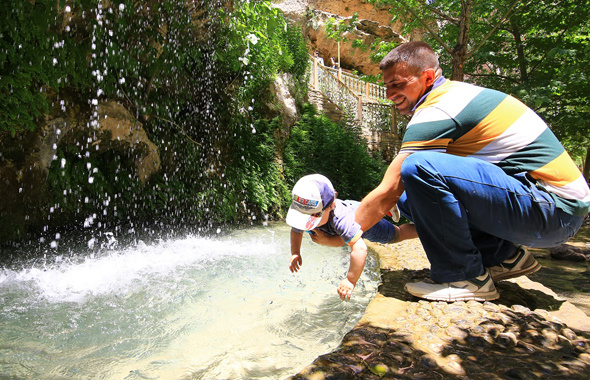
[(193, 307)]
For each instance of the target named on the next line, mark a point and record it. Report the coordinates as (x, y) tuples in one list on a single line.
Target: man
[(479, 174), (317, 57)]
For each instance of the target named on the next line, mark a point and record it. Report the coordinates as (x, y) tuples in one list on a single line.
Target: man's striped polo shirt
[(471, 121)]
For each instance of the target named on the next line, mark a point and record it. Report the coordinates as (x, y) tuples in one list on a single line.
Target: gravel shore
[(529, 333)]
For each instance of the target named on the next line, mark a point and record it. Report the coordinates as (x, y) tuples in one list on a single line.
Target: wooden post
[(367, 89), (393, 125), (586, 167), (316, 82), (359, 111), (339, 73)]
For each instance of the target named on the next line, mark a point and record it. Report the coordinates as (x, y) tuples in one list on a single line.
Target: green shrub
[(336, 150)]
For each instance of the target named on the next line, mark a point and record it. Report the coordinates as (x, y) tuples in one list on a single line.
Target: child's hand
[(296, 262), (345, 289)]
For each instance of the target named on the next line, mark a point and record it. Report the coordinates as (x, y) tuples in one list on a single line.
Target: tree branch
[(487, 36), (495, 76), (434, 35), (443, 16)]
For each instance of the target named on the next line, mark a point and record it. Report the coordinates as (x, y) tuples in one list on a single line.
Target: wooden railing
[(364, 101)]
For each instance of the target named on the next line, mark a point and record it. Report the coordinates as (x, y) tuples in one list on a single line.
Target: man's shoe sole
[(479, 297), (514, 274)]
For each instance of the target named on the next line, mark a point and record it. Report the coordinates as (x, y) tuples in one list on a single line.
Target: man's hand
[(321, 238), (296, 262), (345, 289)]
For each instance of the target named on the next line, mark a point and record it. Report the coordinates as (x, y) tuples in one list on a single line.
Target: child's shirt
[(341, 222)]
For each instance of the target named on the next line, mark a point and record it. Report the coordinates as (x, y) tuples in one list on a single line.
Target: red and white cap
[(312, 194)]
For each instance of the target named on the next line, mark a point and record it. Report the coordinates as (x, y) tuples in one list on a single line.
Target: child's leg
[(383, 232), (386, 232), (406, 231)]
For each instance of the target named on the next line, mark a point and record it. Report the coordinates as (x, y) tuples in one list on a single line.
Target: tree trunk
[(586, 169), (460, 50), (522, 63)]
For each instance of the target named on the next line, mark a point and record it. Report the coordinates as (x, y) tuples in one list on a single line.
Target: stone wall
[(346, 8), (373, 25), (26, 158)]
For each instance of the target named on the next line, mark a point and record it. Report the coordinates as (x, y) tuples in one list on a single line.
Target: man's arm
[(381, 199), (296, 260), (358, 256)]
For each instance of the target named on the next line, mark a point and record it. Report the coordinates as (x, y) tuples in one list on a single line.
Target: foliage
[(338, 29), (542, 57), (34, 54), (457, 27), (90, 189), (536, 51), (195, 74), (256, 172), (234, 160), (336, 150)]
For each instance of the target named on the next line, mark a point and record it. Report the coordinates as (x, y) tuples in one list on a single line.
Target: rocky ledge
[(529, 333)]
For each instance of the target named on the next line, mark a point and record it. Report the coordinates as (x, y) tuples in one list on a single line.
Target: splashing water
[(189, 308)]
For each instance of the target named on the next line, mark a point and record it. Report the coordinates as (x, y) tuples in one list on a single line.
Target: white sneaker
[(480, 288), (521, 264), (394, 213)]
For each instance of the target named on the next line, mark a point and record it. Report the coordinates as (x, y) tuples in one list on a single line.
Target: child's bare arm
[(321, 238), (296, 261), (358, 256)]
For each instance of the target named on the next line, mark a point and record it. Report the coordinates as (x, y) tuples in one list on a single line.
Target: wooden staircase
[(339, 94)]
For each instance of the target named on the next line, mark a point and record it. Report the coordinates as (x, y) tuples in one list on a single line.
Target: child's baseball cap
[(312, 194)]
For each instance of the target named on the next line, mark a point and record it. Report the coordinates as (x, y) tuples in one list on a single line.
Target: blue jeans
[(469, 214), (382, 232)]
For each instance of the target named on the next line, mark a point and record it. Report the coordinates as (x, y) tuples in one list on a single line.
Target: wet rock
[(570, 253), (507, 340), (521, 309), (569, 334), (453, 333)]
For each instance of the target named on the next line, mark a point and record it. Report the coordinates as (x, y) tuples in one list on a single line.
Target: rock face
[(570, 252), (119, 131), (282, 99), (346, 8), (25, 159), (343, 8), (373, 26)]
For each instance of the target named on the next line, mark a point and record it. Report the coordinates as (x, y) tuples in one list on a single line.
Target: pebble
[(569, 334)]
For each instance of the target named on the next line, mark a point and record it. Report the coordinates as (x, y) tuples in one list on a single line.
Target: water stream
[(176, 308)]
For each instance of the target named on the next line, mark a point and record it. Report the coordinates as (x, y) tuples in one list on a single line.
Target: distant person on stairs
[(319, 59), (333, 63)]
